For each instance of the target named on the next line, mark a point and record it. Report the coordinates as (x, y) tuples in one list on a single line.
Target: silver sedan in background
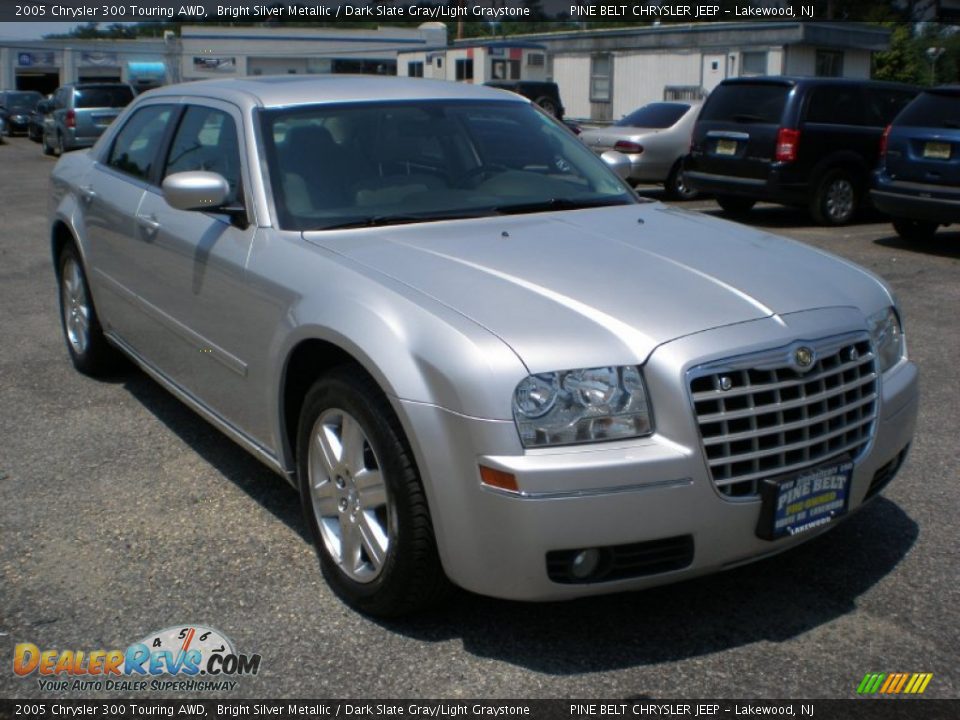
[(656, 138), (475, 352)]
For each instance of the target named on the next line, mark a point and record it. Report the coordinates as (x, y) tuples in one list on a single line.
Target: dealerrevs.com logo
[(183, 658)]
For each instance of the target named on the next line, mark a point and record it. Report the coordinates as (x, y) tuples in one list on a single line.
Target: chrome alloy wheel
[(349, 496), (839, 199), (75, 306)]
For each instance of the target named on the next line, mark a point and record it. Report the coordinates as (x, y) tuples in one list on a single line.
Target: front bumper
[(623, 493)]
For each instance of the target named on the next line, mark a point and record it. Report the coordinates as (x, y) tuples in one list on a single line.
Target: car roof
[(795, 80), (287, 90)]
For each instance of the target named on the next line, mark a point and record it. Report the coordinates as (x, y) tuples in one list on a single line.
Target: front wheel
[(363, 499), (836, 198), (914, 230)]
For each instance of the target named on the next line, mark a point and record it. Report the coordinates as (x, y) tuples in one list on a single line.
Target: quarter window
[(136, 146), (207, 140)]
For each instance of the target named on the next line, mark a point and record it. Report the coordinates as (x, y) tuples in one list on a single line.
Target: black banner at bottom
[(865, 709)]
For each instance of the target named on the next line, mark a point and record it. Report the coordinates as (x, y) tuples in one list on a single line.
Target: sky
[(32, 30)]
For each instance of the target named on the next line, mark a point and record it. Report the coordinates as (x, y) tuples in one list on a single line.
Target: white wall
[(572, 75), (639, 78)]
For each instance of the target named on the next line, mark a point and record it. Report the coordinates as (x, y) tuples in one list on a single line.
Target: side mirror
[(195, 190), (618, 162)]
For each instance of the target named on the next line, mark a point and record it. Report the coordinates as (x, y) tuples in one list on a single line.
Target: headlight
[(581, 406), (887, 338)]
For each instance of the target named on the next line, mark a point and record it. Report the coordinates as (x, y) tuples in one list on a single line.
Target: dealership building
[(202, 52)]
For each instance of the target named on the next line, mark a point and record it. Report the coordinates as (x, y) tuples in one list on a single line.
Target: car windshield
[(97, 96), (654, 115), (365, 164), (23, 100)]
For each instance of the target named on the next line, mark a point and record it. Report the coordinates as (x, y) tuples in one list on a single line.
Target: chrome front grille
[(761, 415)]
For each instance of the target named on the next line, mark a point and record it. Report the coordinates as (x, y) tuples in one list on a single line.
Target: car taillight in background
[(71, 119), (883, 141), (787, 142), (625, 146)]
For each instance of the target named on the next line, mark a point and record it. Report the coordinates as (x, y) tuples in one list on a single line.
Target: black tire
[(58, 149), (89, 350), (836, 198), (47, 150), (676, 188), (734, 204), (548, 104), (914, 230), (408, 576)]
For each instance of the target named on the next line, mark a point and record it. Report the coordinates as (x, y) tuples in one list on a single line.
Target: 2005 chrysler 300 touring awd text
[(478, 355)]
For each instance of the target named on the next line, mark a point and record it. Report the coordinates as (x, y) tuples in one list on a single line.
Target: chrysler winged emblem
[(803, 357)]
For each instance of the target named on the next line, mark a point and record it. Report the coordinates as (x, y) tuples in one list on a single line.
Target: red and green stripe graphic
[(894, 683)]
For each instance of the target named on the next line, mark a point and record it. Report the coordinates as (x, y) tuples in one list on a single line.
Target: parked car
[(41, 114), (811, 142), (918, 182), (81, 112), (544, 94), (475, 351), (656, 138), (15, 108)]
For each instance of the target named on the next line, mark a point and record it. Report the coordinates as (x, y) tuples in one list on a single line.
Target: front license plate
[(802, 501), (726, 147), (937, 150)]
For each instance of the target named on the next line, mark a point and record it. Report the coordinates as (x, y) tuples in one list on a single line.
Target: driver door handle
[(149, 224), (88, 193)]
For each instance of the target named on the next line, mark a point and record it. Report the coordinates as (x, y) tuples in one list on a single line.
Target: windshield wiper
[(552, 204), (383, 220)]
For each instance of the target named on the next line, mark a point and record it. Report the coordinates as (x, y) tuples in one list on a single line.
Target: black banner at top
[(491, 11)]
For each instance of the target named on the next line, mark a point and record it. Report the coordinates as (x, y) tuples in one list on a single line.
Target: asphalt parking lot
[(122, 512)]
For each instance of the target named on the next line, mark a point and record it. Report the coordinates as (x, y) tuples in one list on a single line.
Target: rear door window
[(837, 105), (746, 103)]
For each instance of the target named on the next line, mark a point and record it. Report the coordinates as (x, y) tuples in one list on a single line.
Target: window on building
[(505, 69), (753, 63), (536, 60), (601, 85), (439, 62), (464, 69), (829, 63), (415, 69)]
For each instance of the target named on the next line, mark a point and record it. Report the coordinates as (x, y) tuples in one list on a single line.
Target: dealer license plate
[(726, 147), (802, 501), (937, 150)]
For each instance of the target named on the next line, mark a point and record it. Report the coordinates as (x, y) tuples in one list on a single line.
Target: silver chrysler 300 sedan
[(475, 352)]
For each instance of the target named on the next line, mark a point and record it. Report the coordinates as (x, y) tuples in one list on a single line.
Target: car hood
[(605, 286)]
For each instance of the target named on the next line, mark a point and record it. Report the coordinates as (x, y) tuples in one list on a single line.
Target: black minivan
[(793, 140)]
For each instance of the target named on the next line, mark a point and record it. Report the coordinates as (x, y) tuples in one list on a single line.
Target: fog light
[(585, 563)]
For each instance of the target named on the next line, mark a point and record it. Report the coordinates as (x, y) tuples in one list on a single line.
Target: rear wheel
[(58, 147), (836, 198), (548, 105), (677, 188), (89, 350), (915, 230), (735, 205), (47, 149), (363, 499)]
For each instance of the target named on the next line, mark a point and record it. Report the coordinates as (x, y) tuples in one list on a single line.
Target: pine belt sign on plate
[(804, 500)]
